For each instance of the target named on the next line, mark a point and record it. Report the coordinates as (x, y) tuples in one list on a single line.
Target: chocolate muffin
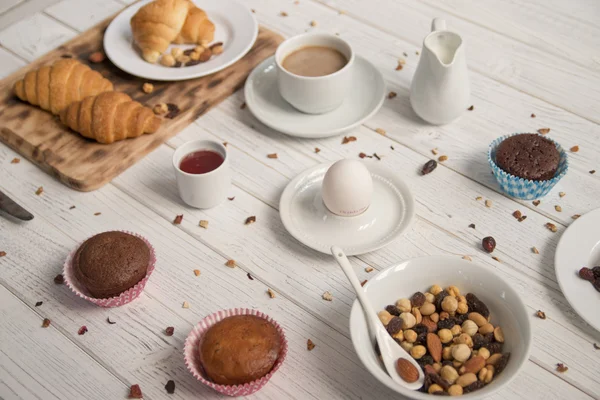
[(528, 156), (239, 349), (110, 263)]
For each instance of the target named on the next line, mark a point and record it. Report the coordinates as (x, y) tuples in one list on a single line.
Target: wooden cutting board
[(86, 165)]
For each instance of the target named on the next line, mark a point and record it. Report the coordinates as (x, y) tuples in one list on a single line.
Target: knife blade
[(7, 204)]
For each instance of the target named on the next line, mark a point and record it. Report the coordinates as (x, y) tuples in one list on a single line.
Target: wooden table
[(526, 57)]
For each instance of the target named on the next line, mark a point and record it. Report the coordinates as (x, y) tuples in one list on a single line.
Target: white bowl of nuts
[(466, 327)]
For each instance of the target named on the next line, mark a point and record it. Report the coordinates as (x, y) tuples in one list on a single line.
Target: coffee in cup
[(314, 71)]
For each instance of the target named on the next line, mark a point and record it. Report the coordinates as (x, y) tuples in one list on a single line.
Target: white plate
[(402, 280), (579, 247), (267, 105), (235, 26), (306, 218)]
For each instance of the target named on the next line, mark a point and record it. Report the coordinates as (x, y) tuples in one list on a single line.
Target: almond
[(474, 364), (434, 345), (407, 371)]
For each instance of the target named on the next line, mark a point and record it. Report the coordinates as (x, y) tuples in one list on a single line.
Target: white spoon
[(390, 350)]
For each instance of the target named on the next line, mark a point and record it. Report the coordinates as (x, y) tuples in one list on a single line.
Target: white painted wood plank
[(40, 363), (540, 24), (6, 5), (499, 110), (10, 63), (82, 15), (137, 350), (34, 36), (23, 10)]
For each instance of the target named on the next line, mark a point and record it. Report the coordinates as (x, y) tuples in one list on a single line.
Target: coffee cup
[(314, 94), (202, 173)]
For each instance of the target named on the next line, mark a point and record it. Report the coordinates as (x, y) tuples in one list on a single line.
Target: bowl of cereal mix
[(467, 327)]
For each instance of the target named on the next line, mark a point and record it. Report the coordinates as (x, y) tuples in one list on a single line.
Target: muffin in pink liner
[(116, 301), (192, 355)]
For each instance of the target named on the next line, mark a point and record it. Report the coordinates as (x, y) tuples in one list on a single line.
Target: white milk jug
[(440, 89)]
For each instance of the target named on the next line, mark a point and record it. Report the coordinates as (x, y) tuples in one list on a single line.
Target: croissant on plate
[(197, 29), (109, 117), (56, 86), (157, 24)]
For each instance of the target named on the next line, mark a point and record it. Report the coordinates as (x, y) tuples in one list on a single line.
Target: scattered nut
[(271, 293), (517, 214), (15, 160), (391, 95), (348, 139), (575, 216), (313, 23), (160, 109), (327, 296), (147, 87), (380, 131), (272, 155), (558, 208), (535, 250), (185, 305), (471, 108), (562, 194), (442, 158), (310, 345), (544, 131), (283, 14), (45, 323), (96, 57), (551, 227), (532, 115), (429, 167), (560, 367), (536, 202), (39, 190), (478, 198), (488, 243), (250, 220), (467, 258), (178, 219), (317, 150), (574, 149), (488, 203), (231, 263), (434, 151), (197, 272)]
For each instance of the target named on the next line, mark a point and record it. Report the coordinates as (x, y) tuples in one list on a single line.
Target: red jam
[(201, 162)]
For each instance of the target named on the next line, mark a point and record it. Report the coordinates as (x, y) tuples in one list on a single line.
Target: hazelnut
[(147, 87), (430, 298), (183, 59), (469, 327), (406, 346), (427, 309), (487, 328), (176, 52), (463, 338), (161, 108), (408, 320), (455, 390), (444, 315), (399, 335), (404, 305), (483, 352), (434, 389), (466, 379), (462, 299), (447, 353), (462, 308), (461, 352), (479, 319), (418, 352), (435, 289), (195, 56), (449, 374), (435, 317), (456, 330), (410, 336), (449, 304), (384, 317), (453, 291), (437, 367), (456, 364), (445, 335), (167, 60), (499, 335), (218, 49), (199, 49), (417, 314)]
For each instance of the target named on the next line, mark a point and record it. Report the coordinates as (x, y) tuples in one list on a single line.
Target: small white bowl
[(404, 279)]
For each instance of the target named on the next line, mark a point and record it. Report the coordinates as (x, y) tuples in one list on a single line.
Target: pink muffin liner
[(126, 297), (192, 355)]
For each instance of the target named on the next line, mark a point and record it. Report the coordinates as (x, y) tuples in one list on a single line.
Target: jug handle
[(438, 24)]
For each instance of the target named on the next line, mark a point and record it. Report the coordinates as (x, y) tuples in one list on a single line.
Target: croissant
[(157, 24), (109, 117), (56, 86), (197, 28)]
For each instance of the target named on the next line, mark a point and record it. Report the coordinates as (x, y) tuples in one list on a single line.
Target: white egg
[(347, 188)]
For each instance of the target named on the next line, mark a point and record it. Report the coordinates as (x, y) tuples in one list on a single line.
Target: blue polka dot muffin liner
[(524, 188)]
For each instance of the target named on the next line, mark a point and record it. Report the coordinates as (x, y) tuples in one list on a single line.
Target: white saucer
[(235, 26), (364, 100), (579, 247), (306, 218)]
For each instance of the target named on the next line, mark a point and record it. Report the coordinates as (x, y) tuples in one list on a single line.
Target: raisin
[(418, 299), (488, 243), (460, 318), (439, 298), (476, 305), (587, 274), (494, 348), (597, 284), (427, 382), (447, 363), (420, 328), (473, 387), (501, 363), (596, 271), (425, 360), (170, 387), (435, 378), (479, 341), (448, 323), (392, 309), (429, 167), (421, 339), (394, 326)]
